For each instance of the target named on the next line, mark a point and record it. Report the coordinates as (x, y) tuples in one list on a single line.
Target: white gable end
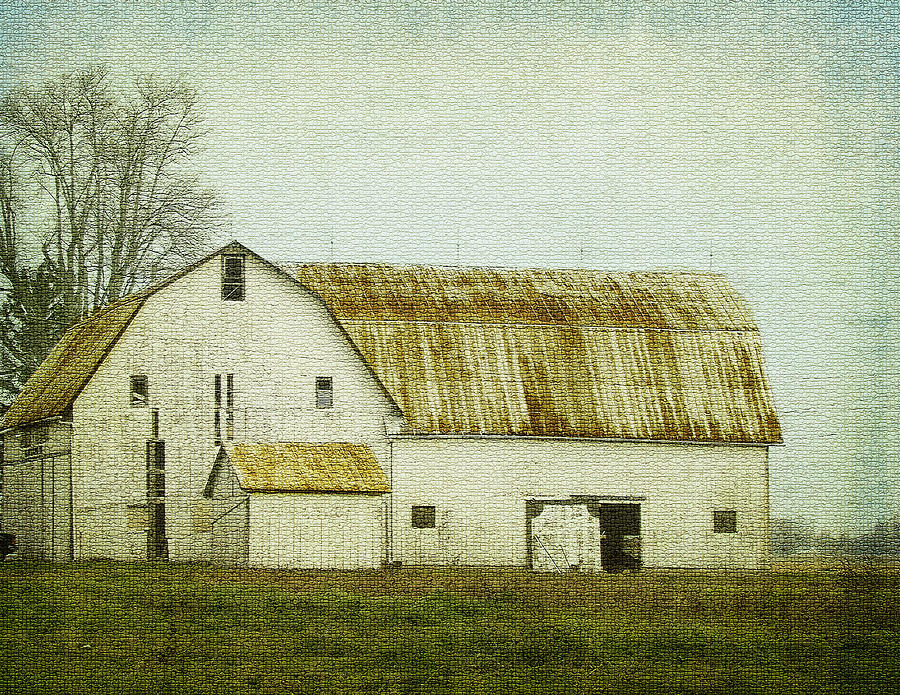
[(275, 344)]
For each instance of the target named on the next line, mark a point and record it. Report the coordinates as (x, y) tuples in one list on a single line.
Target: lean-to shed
[(299, 504)]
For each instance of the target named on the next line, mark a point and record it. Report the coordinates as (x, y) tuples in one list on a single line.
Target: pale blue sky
[(759, 140)]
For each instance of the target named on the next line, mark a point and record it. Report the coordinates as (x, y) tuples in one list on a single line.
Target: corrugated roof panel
[(543, 352), (572, 381), (685, 301), (307, 467), (72, 362)]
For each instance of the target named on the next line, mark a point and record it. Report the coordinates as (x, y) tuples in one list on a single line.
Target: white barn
[(350, 416)]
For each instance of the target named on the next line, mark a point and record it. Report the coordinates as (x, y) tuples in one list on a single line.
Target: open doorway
[(620, 526)]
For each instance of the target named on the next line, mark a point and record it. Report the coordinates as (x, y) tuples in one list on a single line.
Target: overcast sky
[(758, 140)]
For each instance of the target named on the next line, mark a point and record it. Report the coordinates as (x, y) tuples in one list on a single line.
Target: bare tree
[(107, 174), (30, 308)]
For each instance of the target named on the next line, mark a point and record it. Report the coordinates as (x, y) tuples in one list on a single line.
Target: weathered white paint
[(309, 530), (479, 489), (565, 537), (275, 342)]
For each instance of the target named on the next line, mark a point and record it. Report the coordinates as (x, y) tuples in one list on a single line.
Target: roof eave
[(622, 440)]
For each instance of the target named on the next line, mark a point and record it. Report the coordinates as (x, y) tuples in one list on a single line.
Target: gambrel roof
[(556, 353), (531, 352), (59, 379)]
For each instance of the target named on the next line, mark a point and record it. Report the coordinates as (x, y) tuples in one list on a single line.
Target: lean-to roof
[(307, 467)]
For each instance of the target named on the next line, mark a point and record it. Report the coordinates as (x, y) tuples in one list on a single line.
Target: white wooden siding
[(322, 531), (479, 488), (275, 342)]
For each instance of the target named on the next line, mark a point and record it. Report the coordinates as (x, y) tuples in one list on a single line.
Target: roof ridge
[(292, 265), (547, 324)]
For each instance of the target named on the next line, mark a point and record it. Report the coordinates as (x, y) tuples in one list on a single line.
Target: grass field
[(153, 628)]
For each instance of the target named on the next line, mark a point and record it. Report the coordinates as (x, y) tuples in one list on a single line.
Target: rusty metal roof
[(532, 352), (677, 301), (59, 379), (307, 467), (556, 353)]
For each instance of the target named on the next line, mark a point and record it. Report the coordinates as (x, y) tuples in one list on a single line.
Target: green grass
[(121, 628)]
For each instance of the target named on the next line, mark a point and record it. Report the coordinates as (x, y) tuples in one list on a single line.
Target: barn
[(357, 415)]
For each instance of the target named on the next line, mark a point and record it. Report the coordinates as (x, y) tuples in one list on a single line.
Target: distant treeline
[(791, 537)]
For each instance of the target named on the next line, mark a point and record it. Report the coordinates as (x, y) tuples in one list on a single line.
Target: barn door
[(564, 537)]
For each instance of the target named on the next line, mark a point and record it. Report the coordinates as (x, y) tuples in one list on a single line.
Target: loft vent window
[(140, 393), (233, 278), (422, 517), (324, 392), (725, 521)]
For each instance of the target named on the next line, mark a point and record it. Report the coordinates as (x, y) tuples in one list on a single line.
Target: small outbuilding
[(297, 504)]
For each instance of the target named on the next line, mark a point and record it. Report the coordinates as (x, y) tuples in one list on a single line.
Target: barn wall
[(479, 488), (36, 494), (321, 531), (275, 342)]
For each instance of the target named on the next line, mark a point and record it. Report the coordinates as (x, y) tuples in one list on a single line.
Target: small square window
[(423, 517), (233, 278), (724, 522), (324, 392), (140, 394)]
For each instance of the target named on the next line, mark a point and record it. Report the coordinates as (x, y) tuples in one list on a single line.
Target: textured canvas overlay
[(449, 347)]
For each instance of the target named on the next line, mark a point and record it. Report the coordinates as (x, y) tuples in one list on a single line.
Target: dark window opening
[(233, 278), (724, 522), (423, 517), (217, 426), (140, 390), (324, 392), (223, 410), (229, 406), (33, 440)]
